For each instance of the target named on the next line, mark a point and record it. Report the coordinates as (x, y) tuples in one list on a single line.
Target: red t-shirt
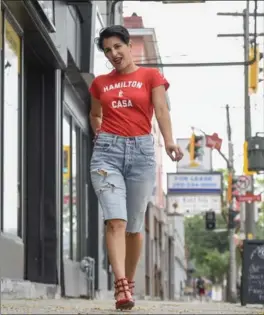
[(126, 100)]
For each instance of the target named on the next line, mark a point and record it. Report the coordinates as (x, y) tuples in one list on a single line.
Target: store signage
[(187, 204), (47, 12), (194, 183)]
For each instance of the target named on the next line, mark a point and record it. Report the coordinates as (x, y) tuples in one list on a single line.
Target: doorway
[(40, 169)]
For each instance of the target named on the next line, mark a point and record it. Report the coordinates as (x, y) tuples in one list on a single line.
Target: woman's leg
[(139, 187), (116, 246), (138, 193), (108, 182), (134, 243), (110, 188)]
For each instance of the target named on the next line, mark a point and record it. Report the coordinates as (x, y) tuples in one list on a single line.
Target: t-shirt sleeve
[(94, 89), (157, 79)]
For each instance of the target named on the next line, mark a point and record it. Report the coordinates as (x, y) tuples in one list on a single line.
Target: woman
[(123, 162)]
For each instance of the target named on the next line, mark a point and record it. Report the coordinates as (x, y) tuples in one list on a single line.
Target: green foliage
[(260, 224), (208, 249), (217, 264), (259, 186)]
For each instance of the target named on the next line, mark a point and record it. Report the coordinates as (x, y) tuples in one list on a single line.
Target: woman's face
[(117, 52)]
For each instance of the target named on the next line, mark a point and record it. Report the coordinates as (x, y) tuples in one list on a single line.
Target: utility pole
[(232, 248), (250, 225)]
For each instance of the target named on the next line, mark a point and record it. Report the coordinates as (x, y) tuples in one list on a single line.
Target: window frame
[(82, 194), (75, 130), (84, 182), (7, 16), (47, 20)]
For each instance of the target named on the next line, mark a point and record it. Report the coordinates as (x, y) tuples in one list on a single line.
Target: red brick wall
[(133, 21)]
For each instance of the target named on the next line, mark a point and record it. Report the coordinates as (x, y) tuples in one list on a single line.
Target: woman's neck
[(129, 69)]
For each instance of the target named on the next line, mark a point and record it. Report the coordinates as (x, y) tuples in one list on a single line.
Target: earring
[(109, 65)]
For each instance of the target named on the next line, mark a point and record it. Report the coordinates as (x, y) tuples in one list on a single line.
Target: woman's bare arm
[(162, 113), (96, 115)]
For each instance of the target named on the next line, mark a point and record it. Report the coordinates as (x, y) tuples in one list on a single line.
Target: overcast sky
[(188, 33)]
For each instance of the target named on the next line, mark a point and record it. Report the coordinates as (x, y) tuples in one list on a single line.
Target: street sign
[(213, 141), (196, 183), (248, 198), (244, 183)]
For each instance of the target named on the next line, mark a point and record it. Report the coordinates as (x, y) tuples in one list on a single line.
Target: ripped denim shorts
[(123, 173)]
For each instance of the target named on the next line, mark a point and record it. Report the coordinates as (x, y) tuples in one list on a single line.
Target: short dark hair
[(115, 30)]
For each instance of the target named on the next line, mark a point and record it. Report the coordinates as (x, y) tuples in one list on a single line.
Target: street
[(77, 306)]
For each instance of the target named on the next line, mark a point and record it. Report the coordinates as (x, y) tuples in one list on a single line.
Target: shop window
[(70, 190), (11, 132), (74, 29), (67, 251), (85, 172), (74, 196)]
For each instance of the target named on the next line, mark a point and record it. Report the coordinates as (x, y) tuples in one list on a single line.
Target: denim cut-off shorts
[(123, 177)]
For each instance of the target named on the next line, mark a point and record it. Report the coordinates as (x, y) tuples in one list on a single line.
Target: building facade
[(50, 218)]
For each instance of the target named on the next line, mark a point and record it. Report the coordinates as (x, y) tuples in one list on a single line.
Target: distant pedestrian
[(200, 285), (123, 165)]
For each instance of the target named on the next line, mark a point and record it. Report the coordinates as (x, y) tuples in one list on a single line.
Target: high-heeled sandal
[(121, 285), (131, 285)]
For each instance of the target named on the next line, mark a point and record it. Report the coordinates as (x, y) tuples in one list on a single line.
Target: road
[(76, 306)]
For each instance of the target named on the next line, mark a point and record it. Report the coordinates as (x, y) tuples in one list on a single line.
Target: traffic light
[(231, 187), (231, 219), (254, 69), (245, 158), (234, 185), (195, 147), (210, 220)]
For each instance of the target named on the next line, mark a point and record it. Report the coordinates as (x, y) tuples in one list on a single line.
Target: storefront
[(46, 197), (10, 141)]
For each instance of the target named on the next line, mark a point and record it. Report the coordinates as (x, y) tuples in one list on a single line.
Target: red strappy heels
[(121, 285), (131, 285)]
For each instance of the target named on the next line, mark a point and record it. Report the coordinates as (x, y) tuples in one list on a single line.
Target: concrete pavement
[(77, 306)]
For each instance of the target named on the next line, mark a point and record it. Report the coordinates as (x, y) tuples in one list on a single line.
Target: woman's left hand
[(174, 151)]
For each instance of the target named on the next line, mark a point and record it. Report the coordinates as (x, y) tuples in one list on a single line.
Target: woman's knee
[(116, 225), (135, 226)]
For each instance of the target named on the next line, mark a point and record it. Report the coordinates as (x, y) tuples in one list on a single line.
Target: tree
[(217, 264), (208, 249)]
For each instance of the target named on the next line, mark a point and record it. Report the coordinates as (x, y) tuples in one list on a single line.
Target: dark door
[(40, 214)]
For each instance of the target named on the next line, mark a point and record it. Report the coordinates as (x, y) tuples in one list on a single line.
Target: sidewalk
[(77, 306)]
